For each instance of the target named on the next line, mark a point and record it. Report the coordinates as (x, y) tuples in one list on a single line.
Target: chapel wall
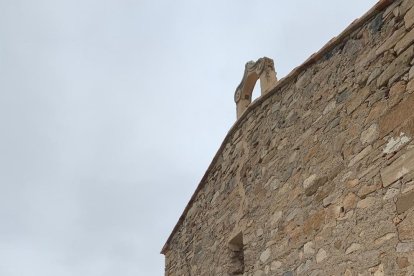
[(318, 176)]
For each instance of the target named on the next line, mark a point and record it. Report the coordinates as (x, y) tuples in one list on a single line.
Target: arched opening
[(236, 266), (256, 92), (262, 69)]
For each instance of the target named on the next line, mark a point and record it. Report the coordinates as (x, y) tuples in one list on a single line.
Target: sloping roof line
[(380, 6)]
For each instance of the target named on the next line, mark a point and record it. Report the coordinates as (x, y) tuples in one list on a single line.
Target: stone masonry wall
[(318, 178)]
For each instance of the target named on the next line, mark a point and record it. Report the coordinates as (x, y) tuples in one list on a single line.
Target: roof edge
[(331, 44)]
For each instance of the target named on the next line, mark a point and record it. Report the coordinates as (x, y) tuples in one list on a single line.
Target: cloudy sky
[(111, 111)]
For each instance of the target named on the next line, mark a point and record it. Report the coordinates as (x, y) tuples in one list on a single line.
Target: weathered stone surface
[(262, 69), (308, 248), (400, 167), (405, 202), (391, 193), (303, 267), (353, 247), (321, 255), (314, 222), (358, 99), (352, 183), (259, 273), (366, 202), (367, 189), (411, 74), (395, 68), (402, 262), (407, 129), (350, 201), (377, 271), (275, 265), (404, 247), (265, 255), (374, 75), (333, 212), (313, 187), (348, 272), (396, 93), (360, 156), (385, 238), (309, 181), (276, 217), (395, 143), (409, 19), (390, 43), (410, 85), (406, 227), (405, 6), (329, 107), (370, 135), (405, 42)]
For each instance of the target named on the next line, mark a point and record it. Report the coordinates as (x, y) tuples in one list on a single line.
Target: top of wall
[(292, 76)]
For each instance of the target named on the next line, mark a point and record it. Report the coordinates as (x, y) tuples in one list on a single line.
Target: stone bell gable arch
[(262, 69)]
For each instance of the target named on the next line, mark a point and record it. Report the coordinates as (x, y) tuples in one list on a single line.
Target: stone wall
[(318, 177)]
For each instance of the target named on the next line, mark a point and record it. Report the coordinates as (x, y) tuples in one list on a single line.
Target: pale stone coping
[(377, 8)]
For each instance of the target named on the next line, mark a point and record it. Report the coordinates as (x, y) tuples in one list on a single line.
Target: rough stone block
[(303, 267), (312, 188), (395, 143), (275, 265), (405, 202), (259, 273), (308, 248), (360, 156), (385, 238), (321, 256), (348, 272), (309, 181), (369, 135), (396, 67), (402, 262), (367, 189), (377, 271), (397, 169), (405, 42), (396, 116), (409, 18), (405, 6), (407, 129), (404, 247), (352, 183), (358, 99), (314, 222), (265, 255), (353, 247), (410, 86), (396, 92), (276, 217), (329, 107), (391, 193), (374, 74), (350, 201), (406, 228), (366, 203), (391, 41)]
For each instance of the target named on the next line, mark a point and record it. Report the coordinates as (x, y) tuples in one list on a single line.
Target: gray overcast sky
[(111, 111)]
